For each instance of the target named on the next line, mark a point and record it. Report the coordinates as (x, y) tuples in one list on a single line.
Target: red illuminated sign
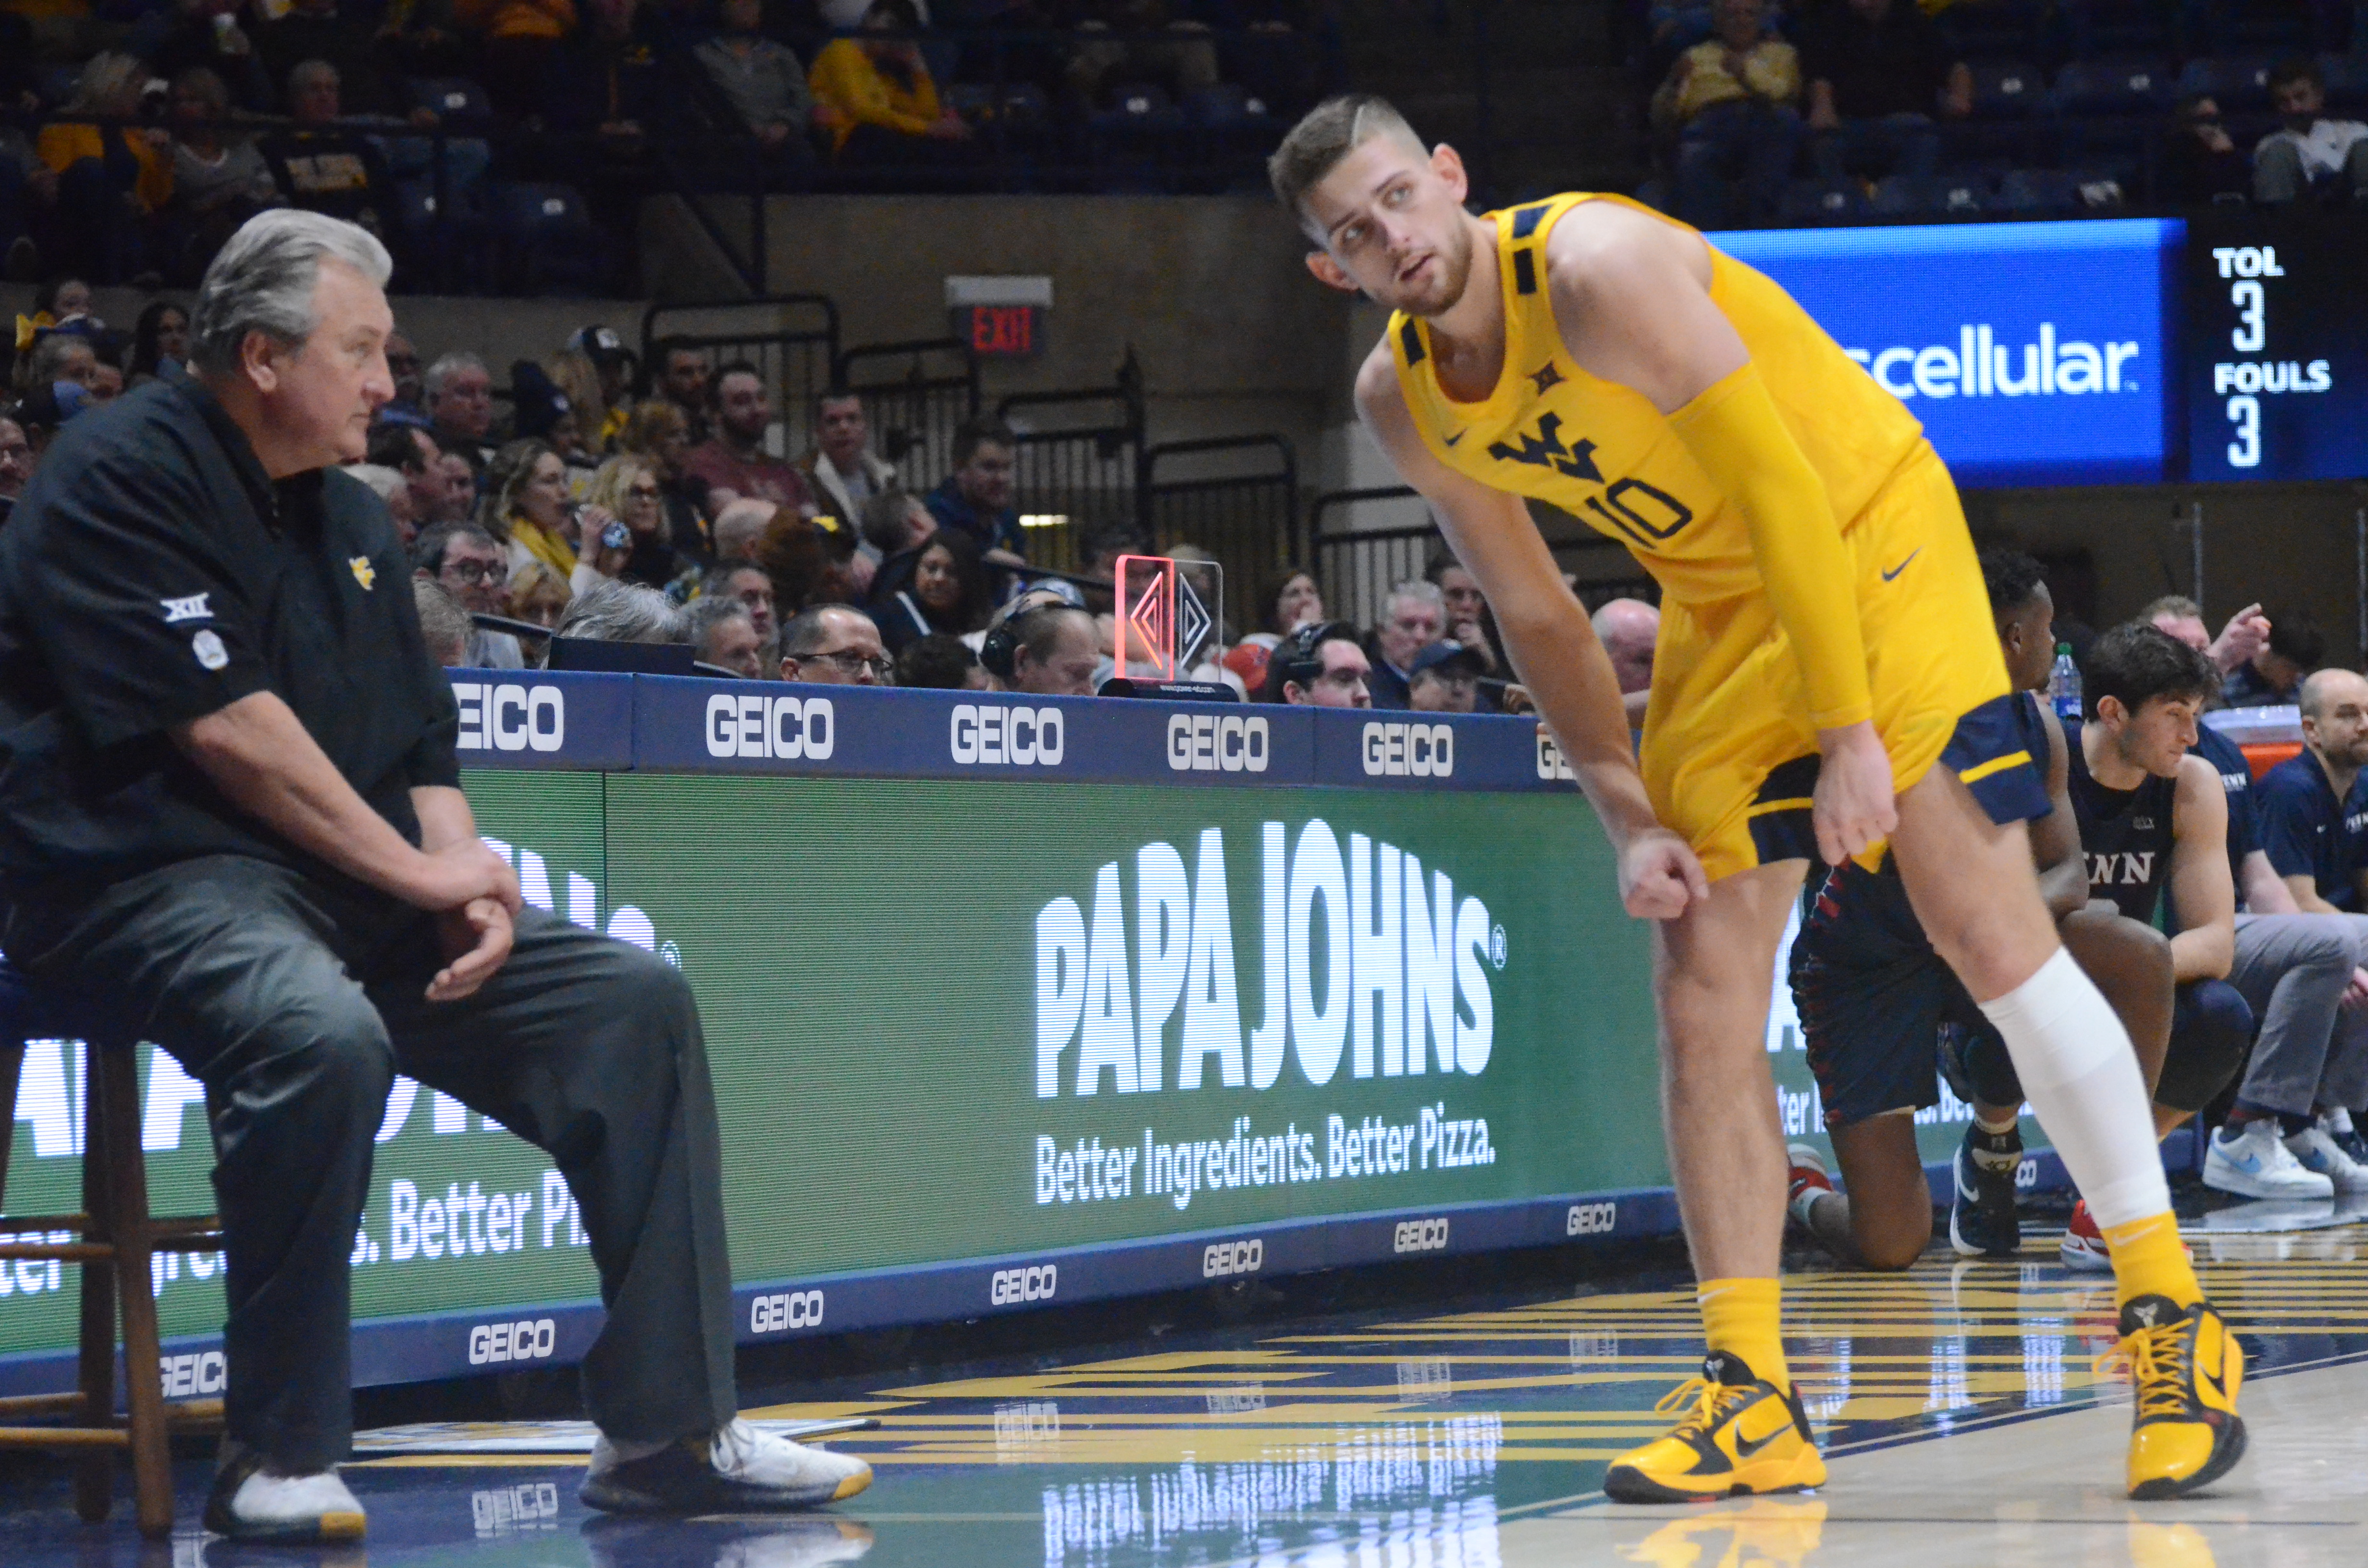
[(1009, 332)]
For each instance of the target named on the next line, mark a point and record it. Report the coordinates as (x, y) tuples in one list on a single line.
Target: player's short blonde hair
[(1329, 132)]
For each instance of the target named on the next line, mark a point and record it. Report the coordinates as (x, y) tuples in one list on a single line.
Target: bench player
[(1825, 681)]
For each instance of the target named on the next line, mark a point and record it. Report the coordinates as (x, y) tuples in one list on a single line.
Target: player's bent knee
[(2208, 1041)]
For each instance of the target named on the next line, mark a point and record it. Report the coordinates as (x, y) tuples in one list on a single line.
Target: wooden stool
[(114, 1237)]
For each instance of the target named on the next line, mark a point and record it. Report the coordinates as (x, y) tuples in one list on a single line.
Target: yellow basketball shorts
[(1730, 758)]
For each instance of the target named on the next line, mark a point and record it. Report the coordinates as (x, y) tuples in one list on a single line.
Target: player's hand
[(462, 872), (2355, 995), (2246, 635), (476, 939), (1659, 877), (1855, 805)]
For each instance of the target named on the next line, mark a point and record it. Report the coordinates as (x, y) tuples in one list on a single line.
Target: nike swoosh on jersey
[(1896, 571)]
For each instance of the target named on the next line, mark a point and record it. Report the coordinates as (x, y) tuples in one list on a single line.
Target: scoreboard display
[(2275, 341)]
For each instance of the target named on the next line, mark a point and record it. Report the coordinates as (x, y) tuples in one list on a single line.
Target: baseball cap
[(600, 343), (1447, 651)]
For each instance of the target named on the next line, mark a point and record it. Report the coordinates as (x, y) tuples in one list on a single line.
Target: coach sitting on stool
[(230, 818)]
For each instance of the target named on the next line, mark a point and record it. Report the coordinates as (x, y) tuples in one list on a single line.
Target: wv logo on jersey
[(2133, 868), (1545, 449)]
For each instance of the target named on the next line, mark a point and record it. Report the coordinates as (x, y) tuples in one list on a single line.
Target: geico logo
[(792, 1309), (1980, 366), (521, 1341), (507, 1506), (1410, 751), (509, 716), (1421, 1235), (1591, 1219), (1231, 1257), (199, 1372), (1552, 764), (1202, 743), (1012, 737), (784, 727), (1012, 1286)]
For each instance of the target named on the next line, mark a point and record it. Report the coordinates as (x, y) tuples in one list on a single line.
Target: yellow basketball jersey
[(1604, 453)]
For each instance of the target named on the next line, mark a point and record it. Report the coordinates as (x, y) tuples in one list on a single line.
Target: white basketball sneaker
[(2256, 1164), (2315, 1149), (249, 1503), (739, 1470)]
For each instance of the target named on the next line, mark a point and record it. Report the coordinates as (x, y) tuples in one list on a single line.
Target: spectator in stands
[(387, 482), (745, 582), (1878, 74), (526, 506), (460, 488), (2308, 154), (578, 379), (1468, 621), (410, 385), (1320, 666), (836, 645), (681, 377), (1445, 679), (740, 529), (317, 30), (627, 488), (1058, 649), (734, 464), (842, 472), (218, 182), (443, 624), (540, 595), (603, 93), (459, 403), (795, 553), (722, 635), (97, 188), (421, 38), (874, 94), (320, 166), (1628, 629), (517, 39), (894, 521), (2312, 821), (611, 611), (1147, 41), (160, 343), (657, 433), (609, 397), (57, 356), (543, 411), (17, 460), (470, 564), (1289, 602), (1413, 618), (976, 498), (206, 36), (2273, 676), (411, 452), (940, 587), (2246, 635), (763, 83), (2202, 163), (939, 663), (1733, 104)]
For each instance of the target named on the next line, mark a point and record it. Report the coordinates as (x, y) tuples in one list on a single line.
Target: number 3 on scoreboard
[(2244, 414)]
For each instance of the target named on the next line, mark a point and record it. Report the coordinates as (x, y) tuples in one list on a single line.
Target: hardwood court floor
[(1959, 1410)]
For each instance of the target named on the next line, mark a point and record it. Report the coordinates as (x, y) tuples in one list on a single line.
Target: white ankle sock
[(2081, 1079)]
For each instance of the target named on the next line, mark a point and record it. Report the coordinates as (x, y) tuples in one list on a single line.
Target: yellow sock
[(1745, 1317), (2150, 1261)]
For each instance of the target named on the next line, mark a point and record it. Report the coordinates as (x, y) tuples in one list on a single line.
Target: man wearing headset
[(1320, 666), (1045, 647)]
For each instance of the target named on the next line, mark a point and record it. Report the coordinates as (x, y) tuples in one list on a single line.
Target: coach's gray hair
[(263, 282), (611, 611)]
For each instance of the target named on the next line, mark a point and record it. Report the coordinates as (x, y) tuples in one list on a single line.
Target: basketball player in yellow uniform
[(1827, 680)]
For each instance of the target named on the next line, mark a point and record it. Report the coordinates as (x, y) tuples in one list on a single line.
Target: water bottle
[(2063, 684)]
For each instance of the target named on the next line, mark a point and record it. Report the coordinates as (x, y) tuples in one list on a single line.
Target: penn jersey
[(1602, 452), (2124, 834)]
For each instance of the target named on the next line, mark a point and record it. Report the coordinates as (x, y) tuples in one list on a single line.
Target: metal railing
[(1077, 462), (915, 395), (792, 339), (1359, 553), (1234, 496)]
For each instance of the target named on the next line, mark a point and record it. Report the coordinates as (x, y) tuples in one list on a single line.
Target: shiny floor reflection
[(1957, 1401)]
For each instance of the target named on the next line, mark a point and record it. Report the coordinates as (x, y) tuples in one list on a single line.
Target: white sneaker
[(2258, 1163), (2315, 1149), (739, 1470), (250, 1503)]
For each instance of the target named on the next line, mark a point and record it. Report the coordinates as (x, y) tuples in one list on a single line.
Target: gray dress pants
[(295, 1002), (2310, 1050)]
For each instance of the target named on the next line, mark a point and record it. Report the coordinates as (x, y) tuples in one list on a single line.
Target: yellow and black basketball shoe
[(1744, 1436), (2186, 1368)]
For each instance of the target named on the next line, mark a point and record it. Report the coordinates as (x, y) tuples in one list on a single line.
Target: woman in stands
[(876, 95), (940, 587), (527, 508), (627, 488), (657, 433)]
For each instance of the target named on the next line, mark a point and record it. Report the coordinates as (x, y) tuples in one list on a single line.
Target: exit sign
[(1011, 332), (1000, 317)]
